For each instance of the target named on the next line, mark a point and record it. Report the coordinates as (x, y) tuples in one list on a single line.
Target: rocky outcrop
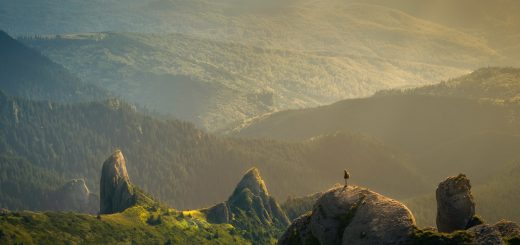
[(251, 196), (116, 191), (218, 214), (498, 233), (356, 215), (352, 215), (74, 196), (455, 204)]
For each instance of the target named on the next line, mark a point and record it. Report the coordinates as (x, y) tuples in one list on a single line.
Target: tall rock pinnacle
[(455, 204), (116, 191)]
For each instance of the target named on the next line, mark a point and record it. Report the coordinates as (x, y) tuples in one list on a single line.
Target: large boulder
[(116, 191), (455, 204), (352, 215)]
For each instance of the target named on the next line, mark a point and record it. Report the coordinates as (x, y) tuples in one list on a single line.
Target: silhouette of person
[(346, 176)]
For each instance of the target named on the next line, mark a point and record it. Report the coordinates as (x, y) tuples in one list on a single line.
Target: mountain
[(461, 125), (175, 161), (215, 83), (26, 73)]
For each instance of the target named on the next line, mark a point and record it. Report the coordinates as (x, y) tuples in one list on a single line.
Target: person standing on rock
[(346, 176)]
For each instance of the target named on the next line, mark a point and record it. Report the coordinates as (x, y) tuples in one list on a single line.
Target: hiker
[(346, 176)]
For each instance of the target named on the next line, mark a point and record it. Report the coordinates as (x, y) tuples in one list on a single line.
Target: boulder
[(116, 191), (455, 204), (352, 215), (218, 214)]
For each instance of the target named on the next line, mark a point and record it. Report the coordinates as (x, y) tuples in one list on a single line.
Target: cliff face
[(116, 191)]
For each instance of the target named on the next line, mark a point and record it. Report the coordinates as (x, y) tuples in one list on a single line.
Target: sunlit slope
[(136, 225), (495, 85), (214, 83), (495, 21)]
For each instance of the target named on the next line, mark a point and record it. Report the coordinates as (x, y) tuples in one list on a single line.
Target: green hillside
[(26, 73)]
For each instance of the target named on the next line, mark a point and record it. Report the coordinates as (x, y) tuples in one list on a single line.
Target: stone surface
[(455, 204), (485, 235), (218, 214), (116, 191), (352, 215)]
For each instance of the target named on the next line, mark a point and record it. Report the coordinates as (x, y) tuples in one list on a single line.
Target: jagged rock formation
[(455, 204), (251, 195), (116, 191), (352, 215), (250, 208), (74, 196)]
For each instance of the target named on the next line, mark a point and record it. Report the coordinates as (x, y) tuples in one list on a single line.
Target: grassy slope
[(134, 226)]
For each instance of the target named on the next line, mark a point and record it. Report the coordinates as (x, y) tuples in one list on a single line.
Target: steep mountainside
[(26, 73), (214, 83), (175, 161)]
